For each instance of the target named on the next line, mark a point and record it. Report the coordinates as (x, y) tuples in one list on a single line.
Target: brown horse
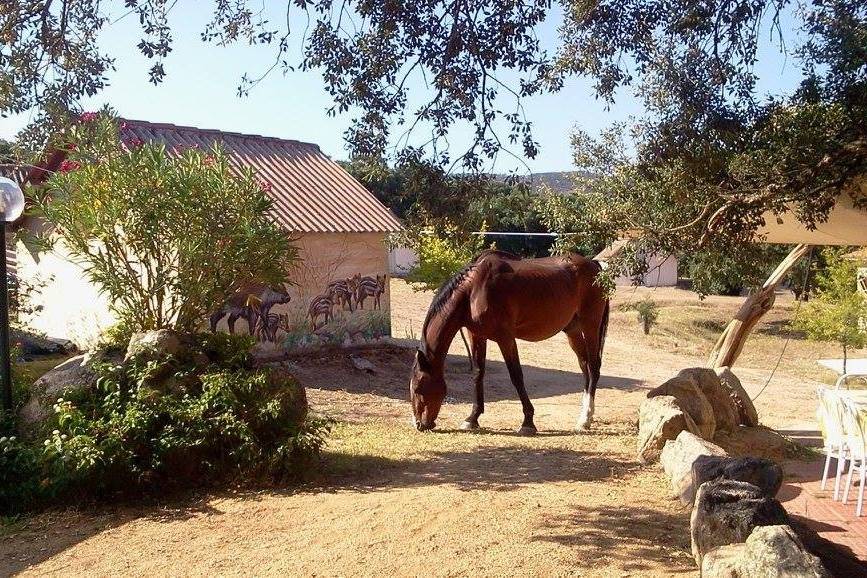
[(502, 297)]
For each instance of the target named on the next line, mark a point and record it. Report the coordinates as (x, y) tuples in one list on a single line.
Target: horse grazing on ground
[(501, 297)]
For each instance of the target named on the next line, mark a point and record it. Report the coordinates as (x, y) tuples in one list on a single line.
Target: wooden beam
[(730, 344)]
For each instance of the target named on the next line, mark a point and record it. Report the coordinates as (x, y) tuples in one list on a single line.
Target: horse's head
[(427, 389)]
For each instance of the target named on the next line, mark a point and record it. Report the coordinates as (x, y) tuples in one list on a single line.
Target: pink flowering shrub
[(67, 166)]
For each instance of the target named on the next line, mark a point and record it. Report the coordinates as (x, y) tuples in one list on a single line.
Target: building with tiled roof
[(339, 292)]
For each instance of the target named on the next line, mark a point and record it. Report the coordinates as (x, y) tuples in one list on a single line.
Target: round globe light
[(11, 200)]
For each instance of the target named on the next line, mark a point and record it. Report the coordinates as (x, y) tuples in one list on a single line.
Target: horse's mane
[(447, 289)]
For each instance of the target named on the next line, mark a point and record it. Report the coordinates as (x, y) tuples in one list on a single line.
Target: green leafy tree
[(837, 312), (165, 234), (695, 173), (7, 152), (421, 193), (442, 251)]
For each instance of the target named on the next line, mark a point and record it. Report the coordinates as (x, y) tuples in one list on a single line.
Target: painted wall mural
[(347, 311), (337, 298)]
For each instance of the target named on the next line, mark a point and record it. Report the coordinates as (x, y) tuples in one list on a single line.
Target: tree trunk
[(730, 344)]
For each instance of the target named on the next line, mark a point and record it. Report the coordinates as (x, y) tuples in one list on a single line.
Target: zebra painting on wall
[(369, 287), (342, 292), (346, 310)]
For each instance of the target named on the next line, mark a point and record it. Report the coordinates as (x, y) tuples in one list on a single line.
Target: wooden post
[(730, 344)]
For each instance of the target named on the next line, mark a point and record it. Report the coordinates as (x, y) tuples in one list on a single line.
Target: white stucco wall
[(401, 260), (662, 272), (71, 308)]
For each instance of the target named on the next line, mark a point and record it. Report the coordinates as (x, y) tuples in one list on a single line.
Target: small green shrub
[(166, 424), (838, 310), (114, 338), (227, 350), (648, 314), (165, 233), (442, 252), (20, 484)]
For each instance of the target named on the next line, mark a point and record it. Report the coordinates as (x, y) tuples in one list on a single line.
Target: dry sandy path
[(396, 502)]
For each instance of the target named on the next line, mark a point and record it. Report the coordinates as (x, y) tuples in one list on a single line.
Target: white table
[(855, 368)]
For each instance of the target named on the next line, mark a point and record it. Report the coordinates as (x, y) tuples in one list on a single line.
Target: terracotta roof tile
[(311, 192)]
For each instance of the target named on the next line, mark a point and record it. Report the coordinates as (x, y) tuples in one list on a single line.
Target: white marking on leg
[(586, 412)]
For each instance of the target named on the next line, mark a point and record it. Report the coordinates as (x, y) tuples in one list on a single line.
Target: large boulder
[(762, 473), (746, 410), (660, 419), (769, 551), (34, 344), (761, 442), (724, 410), (727, 511), (158, 345), (691, 400), (73, 375), (677, 458)]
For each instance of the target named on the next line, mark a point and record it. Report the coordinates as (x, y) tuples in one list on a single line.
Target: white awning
[(846, 225)]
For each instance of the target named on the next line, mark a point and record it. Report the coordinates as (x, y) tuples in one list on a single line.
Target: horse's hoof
[(470, 425), (583, 427), (527, 430)]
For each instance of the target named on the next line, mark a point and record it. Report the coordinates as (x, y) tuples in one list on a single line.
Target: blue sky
[(200, 90)]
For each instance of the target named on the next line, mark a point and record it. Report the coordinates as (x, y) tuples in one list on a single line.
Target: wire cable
[(797, 308)]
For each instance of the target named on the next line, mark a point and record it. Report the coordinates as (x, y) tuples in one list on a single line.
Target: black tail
[(603, 328)]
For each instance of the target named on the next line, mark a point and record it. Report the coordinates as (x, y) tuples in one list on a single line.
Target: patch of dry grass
[(691, 326)]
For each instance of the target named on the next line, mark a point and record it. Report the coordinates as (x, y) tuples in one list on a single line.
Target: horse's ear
[(422, 360)]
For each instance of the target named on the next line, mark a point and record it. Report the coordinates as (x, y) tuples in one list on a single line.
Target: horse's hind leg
[(478, 348), (593, 348), (576, 342), (510, 355)]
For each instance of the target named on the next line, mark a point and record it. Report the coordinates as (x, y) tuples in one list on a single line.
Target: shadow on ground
[(839, 559), (485, 468), (631, 535), (44, 535), (334, 371)]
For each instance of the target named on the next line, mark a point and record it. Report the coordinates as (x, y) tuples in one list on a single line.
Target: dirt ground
[(392, 501)]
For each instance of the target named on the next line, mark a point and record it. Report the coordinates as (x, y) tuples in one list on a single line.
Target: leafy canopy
[(838, 310), (165, 234), (695, 172)]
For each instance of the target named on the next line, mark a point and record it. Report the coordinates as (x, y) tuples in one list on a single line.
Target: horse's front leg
[(478, 349), (509, 348)]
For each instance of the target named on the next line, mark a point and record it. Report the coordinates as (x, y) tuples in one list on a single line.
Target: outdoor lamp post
[(11, 207)]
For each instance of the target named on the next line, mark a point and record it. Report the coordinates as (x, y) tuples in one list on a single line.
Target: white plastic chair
[(856, 445), (830, 413)]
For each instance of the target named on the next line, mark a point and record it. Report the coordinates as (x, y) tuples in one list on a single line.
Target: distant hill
[(560, 182)]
